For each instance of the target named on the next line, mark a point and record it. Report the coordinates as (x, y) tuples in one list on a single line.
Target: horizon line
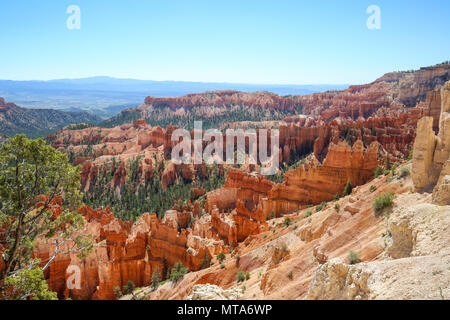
[(185, 81)]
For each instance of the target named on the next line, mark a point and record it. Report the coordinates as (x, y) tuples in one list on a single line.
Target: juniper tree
[(39, 195), (156, 279)]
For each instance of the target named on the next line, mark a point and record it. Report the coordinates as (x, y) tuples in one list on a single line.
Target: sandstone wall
[(431, 157)]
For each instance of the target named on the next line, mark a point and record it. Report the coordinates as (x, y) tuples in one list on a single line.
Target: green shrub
[(117, 292), (287, 222), (178, 271), (410, 155), (383, 201), (404, 172), (238, 258), (129, 287), (393, 168), (283, 247), (353, 257), (307, 214), (336, 197), (240, 276), (221, 257), (321, 206), (378, 172), (206, 262), (247, 275), (348, 189), (373, 188), (337, 207), (290, 275)]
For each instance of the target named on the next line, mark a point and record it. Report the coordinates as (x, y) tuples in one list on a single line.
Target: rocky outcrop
[(431, 155), (122, 252), (223, 199), (432, 108), (314, 183), (441, 192), (235, 227), (416, 85), (213, 292), (89, 174), (424, 147), (419, 265)]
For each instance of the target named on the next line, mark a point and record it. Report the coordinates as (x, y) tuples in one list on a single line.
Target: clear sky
[(246, 41)]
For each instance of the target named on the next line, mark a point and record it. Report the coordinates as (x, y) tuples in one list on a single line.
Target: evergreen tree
[(348, 189), (156, 278), (39, 190)]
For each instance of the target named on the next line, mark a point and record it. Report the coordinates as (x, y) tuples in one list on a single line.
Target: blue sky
[(246, 41)]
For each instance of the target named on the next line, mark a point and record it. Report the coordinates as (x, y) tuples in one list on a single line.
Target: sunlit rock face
[(123, 252), (431, 162)]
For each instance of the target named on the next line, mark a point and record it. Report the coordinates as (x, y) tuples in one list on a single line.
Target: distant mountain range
[(37, 122), (106, 96)]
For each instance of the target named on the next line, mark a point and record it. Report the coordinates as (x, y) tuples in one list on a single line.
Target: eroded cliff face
[(431, 166), (314, 182), (414, 86), (122, 252), (220, 99), (257, 198)]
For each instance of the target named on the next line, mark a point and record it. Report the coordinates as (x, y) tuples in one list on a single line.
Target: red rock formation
[(89, 174), (392, 129), (431, 157), (235, 227), (224, 98), (120, 177), (123, 252), (145, 169), (392, 90), (169, 175), (314, 183), (197, 192), (432, 108), (256, 198), (250, 188)]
